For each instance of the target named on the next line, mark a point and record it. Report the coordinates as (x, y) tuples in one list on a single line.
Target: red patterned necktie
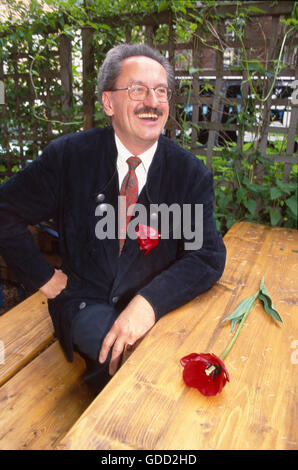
[(129, 189)]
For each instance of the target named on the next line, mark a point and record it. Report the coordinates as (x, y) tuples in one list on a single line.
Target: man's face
[(138, 124)]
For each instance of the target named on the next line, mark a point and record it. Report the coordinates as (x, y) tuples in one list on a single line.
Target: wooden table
[(147, 406)]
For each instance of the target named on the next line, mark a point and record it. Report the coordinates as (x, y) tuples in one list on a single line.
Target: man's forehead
[(142, 63), (139, 59)]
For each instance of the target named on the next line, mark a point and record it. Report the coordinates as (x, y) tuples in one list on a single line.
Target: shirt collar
[(124, 154)]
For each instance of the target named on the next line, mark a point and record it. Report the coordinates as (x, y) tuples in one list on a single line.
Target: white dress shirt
[(141, 170)]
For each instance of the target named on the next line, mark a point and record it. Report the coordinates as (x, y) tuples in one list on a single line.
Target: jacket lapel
[(106, 193)]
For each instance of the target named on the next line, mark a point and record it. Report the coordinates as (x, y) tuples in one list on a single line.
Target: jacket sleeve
[(27, 198), (195, 270)]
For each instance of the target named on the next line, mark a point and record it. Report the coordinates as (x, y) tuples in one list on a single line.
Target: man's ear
[(107, 104)]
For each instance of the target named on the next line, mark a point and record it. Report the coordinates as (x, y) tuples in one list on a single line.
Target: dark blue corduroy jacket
[(64, 184)]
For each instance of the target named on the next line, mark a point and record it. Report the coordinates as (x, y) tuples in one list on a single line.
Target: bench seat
[(25, 330), (42, 401), (41, 393)]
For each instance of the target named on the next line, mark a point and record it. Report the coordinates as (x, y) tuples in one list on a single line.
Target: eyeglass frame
[(169, 92)]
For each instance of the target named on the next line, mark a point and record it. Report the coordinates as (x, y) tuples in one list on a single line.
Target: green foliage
[(242, 197), (240, 192)]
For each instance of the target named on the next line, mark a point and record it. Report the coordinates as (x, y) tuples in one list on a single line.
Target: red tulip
[(206, 372), (148, 237)]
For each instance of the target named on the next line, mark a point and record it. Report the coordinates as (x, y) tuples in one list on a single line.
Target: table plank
[(147, 406), (24, 331)]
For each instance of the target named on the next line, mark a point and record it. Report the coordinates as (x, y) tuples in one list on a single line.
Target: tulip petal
[(194, 373)]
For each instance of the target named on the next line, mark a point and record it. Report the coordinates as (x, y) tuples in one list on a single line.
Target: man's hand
[(132, 324), (55, 285)]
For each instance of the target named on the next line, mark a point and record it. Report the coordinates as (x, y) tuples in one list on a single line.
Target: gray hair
[(111, 67)]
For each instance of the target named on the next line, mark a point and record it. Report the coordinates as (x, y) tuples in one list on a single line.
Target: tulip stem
[(231, 343)]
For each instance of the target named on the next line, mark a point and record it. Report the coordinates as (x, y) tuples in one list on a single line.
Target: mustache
[(148, 109)]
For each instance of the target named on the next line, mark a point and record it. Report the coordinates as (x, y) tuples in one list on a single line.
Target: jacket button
[(100, 197), (82, 305), (115, 299)]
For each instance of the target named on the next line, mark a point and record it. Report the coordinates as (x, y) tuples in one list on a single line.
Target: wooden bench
[(41, 393), (146, 405)]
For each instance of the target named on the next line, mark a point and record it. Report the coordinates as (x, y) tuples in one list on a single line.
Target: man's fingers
[(118, 345), (106, 346), (127, 329), (116, 355)]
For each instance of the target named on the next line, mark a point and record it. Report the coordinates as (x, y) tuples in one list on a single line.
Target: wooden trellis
[(214, 127)]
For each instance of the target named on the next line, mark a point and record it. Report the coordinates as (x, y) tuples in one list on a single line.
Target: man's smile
[(148, 116), (149, 113)]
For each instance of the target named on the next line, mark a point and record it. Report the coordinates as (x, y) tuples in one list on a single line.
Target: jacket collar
[(153, 186)]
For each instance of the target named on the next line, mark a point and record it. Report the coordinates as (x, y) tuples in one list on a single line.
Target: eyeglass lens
[(140, 92)]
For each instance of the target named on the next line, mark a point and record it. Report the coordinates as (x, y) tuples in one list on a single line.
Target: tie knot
[(133, 162)]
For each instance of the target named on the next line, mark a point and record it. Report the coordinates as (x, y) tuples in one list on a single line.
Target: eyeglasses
[(140, 92)]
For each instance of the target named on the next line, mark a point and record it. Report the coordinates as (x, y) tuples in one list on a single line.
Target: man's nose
[(151, 99)]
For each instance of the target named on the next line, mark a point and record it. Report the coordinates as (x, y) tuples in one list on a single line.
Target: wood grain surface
[(24, 331), (146, 405), (42, 401)]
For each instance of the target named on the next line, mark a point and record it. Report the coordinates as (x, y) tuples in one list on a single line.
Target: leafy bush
[(239, 195)]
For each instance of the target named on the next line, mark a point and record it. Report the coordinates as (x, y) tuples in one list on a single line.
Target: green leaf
[(274, 216), (269, 73), (230, 220), (267, 301), (105, 26), (196, 126), (234, 323), (287, 188), (263, 288), (256, 188), (163, 6), (250, 205), (257, 66), (292, 204), (268, 306), (275, 193), (251, 9), (241, 309), (240, 194)]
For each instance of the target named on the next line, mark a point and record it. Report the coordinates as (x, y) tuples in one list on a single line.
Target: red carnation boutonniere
[(148, 237), (207, 372)]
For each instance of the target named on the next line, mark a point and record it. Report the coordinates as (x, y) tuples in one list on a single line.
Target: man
[(103, 299)]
